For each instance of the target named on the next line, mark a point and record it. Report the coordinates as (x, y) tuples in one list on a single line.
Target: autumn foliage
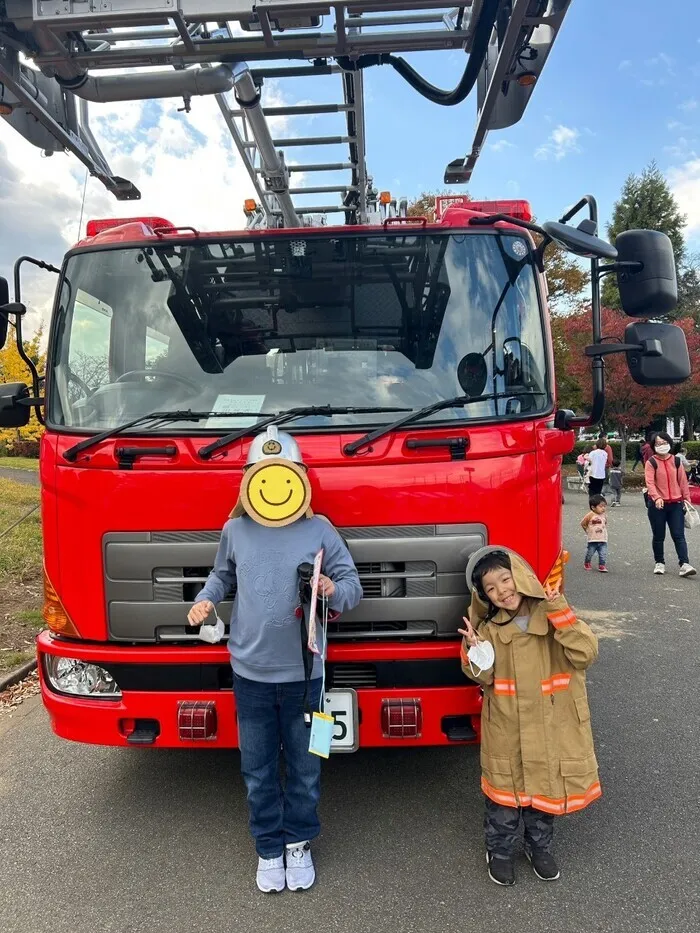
[(21, 441), (629, 407)]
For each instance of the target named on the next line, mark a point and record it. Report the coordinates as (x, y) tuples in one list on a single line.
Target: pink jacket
[(666, 482)]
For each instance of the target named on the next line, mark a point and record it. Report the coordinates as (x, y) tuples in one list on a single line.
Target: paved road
[(20, 476), (102, 839)]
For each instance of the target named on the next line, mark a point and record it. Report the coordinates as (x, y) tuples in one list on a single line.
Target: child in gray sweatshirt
[(259, 553)]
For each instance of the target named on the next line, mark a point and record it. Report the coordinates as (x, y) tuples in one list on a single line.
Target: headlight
[(68, 675)]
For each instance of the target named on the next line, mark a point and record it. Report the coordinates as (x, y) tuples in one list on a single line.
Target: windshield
[(260, 325)]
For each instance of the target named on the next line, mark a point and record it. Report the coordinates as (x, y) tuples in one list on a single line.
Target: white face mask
[(212, 633), (663, 449), (481, 655)]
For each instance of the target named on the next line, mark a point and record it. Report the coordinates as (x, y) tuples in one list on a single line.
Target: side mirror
[(4, 318), (579, 240), (513, 362), (650, 289), (13, 414), (666, 360), (472, 374)]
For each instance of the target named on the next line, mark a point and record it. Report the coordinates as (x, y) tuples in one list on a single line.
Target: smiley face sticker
[(275, 492)]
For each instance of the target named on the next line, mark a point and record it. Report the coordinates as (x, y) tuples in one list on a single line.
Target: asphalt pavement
[(30, 477), (100, 839)]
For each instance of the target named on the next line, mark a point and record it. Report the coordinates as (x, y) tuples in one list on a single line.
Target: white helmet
[(274, 443)]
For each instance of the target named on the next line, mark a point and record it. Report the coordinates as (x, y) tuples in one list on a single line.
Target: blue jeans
[(270, 716), (602, 548), (672, 515)]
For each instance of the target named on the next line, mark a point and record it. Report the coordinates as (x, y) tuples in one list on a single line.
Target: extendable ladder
[(225, 48)]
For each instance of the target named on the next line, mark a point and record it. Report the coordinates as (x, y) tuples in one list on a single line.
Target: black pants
[(501, 829), (672, 515), (595, 486)]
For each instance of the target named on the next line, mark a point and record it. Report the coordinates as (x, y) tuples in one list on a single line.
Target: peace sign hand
[(468, 632), (551, 593)]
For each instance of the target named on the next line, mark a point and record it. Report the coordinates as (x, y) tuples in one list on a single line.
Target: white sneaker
[(300, 866), (687, 571), (659, 568), (270, 876)]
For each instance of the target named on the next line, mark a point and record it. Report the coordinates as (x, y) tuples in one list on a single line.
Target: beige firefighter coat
[(536, 740)]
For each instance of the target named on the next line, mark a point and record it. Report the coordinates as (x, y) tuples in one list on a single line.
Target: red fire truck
[(412, 360)]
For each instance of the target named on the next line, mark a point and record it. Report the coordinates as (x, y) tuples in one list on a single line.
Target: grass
[(9, 660), (19, 463), (20, 549)]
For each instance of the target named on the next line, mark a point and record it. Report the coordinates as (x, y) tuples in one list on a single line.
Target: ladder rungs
[(314, 141), (324, 189), (406, 20), (320, 167), (299, 71), (299, 110), (321, 209)]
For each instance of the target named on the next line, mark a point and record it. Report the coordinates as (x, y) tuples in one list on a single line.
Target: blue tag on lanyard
[(321, 734)]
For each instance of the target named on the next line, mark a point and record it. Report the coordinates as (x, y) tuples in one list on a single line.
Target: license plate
[(342, 706)]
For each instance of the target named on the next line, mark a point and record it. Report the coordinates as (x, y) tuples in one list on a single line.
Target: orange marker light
[(385, 197), (249, 204), (55, 615), (528, 79)]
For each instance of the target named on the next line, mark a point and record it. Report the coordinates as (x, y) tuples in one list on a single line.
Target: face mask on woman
[(663, 449)]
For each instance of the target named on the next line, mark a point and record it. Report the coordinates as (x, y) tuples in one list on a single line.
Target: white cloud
[(185, 166), (624, 64), (689, 105), (685, 184), (500, 145), (662, 61), (681, 150), (562, 141)]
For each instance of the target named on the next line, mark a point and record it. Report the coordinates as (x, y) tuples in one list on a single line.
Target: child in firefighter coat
[(537, 755)]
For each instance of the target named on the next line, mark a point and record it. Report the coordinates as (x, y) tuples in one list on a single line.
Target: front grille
[(412, 579), (381, 580), (194, 677), (340, 627), (353, 675)]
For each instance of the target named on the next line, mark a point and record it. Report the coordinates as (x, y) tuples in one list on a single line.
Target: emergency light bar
[(518, 209), (98, 226)]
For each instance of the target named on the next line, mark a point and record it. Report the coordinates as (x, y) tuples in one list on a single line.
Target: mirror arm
[(587, 199), (597, 365), (19, 313), (491, 219), (622, 266), (648, 348)]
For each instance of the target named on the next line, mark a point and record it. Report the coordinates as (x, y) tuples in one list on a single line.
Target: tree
[(424, 204), (628, 406), (646, 203), (689, 288), (14, 369), (566, 279), (569, 391), (687, 394)]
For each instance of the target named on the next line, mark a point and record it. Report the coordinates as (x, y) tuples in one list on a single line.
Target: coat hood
[(525, 578)]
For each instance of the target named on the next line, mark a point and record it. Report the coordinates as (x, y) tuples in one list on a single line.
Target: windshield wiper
[(289, 415), (71, 454), (415, 416)]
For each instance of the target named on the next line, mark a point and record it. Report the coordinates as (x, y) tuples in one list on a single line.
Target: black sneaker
[(501, 869), (543, 865)]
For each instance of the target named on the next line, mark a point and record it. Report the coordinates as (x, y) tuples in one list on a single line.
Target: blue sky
[(623, 76)]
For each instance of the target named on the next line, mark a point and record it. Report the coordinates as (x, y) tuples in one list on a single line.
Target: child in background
[(615, 483), (595, 524)]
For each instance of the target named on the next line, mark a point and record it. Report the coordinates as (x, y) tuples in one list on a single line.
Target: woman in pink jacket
[(667, 492)]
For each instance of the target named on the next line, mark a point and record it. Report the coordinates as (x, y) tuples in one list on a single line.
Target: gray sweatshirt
[(265, 642)]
